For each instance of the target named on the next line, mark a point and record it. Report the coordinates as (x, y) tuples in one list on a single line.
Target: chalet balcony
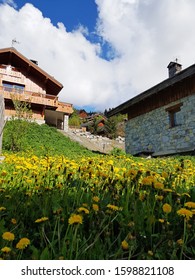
[(36, 98)]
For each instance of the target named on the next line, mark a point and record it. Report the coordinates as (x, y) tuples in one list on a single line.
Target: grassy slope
[(42, 140)]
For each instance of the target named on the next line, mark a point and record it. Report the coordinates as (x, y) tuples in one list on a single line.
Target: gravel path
[(94, 142)]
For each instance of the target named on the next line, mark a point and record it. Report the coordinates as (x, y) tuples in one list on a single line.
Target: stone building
[(161, 120), (22, 79)]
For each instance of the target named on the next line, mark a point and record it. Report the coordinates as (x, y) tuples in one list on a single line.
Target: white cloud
[(144, 34)]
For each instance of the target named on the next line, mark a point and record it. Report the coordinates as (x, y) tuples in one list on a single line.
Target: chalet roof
[(177, 78), (10, 56)]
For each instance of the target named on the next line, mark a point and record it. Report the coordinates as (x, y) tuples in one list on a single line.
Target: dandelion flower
[(159, 197), (75, 219), (96, 198), (83, 209), (164, 174), (2, 208), (23, 243), (161, 221), (167, 208), (185, 213), (6, 250), (124, 245), (114, 207), (95, 207), (8, 236), (180, 242), (3, 173), (158, 185), (147, 181), (190, 204), (43, 219), (13, 221)]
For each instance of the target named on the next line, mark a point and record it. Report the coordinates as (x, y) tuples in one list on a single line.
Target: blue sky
[(104, 52), (71, 12)]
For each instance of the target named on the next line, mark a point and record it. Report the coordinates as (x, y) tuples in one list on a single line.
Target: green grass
[(70, 203), (40, 140)]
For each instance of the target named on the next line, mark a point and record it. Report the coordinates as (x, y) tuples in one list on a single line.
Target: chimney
[(174, 68)]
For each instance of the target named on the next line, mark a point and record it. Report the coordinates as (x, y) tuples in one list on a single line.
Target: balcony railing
[(37, 98)]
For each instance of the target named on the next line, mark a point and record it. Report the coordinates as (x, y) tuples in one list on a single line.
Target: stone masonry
[(151, 132)]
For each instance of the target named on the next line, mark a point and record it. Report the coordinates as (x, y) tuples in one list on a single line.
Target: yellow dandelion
[(23, 243), (180, 242), (185, 213), (158, 185), (132, 173), (6, 250), (142, 196), (75, 219), (13, 221), (114, 207), (164, 174), (147, 181), (190, 204), (96, 198), (2, 208), (130, 236), (3, 173), (167, 208), (43, 219), (8, 236), (131, 224), (95, 207), (85, 205), (159, 197), (83, 209), (124, 245), (167, 190), (161, 221)]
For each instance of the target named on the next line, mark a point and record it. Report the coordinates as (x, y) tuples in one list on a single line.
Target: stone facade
[(151, 132)]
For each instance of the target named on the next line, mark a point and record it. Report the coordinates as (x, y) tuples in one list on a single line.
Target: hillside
[(38, 139)]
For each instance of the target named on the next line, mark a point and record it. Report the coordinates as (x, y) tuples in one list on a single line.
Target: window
[(13, 87), (173, 114)]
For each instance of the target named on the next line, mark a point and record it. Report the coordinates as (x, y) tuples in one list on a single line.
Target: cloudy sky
[(103, 51)]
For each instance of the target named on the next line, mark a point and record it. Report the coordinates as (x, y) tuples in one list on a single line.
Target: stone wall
[(151, 132)]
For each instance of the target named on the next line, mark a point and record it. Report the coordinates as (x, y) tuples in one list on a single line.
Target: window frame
[(172, 112)]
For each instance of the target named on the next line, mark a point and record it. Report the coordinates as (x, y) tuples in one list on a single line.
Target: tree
[(19, 123), (110, 127), (74, 119)]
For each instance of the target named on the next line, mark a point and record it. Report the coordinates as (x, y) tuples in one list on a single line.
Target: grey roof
[(122, 108)]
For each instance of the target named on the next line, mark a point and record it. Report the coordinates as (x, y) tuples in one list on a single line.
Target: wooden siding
[(162, 98)]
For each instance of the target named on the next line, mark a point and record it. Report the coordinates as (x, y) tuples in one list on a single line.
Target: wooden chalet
[(22, 79)]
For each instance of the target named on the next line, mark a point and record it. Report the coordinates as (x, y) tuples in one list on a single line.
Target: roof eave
[(34, 66), (123, 108)]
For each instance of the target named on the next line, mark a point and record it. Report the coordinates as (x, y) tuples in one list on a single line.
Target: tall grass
[(86, 206)]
